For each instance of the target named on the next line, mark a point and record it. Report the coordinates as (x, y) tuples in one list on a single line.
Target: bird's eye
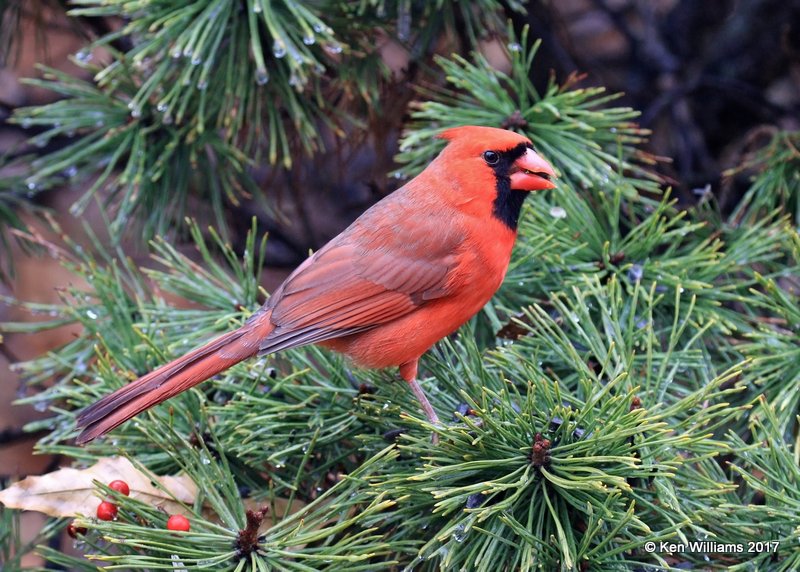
[(491, 157)]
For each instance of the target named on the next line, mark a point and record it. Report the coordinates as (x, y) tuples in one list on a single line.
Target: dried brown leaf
[(69, 492)]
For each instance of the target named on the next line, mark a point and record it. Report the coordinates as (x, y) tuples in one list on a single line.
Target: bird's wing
[(369, 277)]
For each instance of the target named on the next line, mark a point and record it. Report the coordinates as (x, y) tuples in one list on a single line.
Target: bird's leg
[(423, 400), (408, 371)]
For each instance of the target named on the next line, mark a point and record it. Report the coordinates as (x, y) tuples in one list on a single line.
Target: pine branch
[(773, 346), (148, 165), (13, 203), (776, 184), (592, 146), (768, 511), (12, 547), (205, 91), (321, 535)]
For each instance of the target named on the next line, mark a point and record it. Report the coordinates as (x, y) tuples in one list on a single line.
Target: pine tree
[(635, 380)]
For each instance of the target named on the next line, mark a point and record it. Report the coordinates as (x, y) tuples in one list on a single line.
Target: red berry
[(178, 522), (120, 486), (107, 511), (75, 531)]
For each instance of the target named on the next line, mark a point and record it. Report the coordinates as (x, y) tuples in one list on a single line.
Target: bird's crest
[(483, 137)]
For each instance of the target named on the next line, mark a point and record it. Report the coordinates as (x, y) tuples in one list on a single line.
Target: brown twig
[(247, 540)]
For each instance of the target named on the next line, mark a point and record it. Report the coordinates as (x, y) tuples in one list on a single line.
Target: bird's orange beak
[(532, 173)]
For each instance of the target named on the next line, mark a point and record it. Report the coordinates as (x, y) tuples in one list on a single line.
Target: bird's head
[(489, 172), (509, 157)]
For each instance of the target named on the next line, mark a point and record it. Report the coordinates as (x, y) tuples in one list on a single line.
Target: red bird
[(409, 271)]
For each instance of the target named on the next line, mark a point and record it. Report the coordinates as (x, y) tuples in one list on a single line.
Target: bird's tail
[(171, 379)]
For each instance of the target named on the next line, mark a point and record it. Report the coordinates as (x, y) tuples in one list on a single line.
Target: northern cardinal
[(409, 271)]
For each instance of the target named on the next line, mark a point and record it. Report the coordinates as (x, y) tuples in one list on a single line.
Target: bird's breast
[(478, 272)]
